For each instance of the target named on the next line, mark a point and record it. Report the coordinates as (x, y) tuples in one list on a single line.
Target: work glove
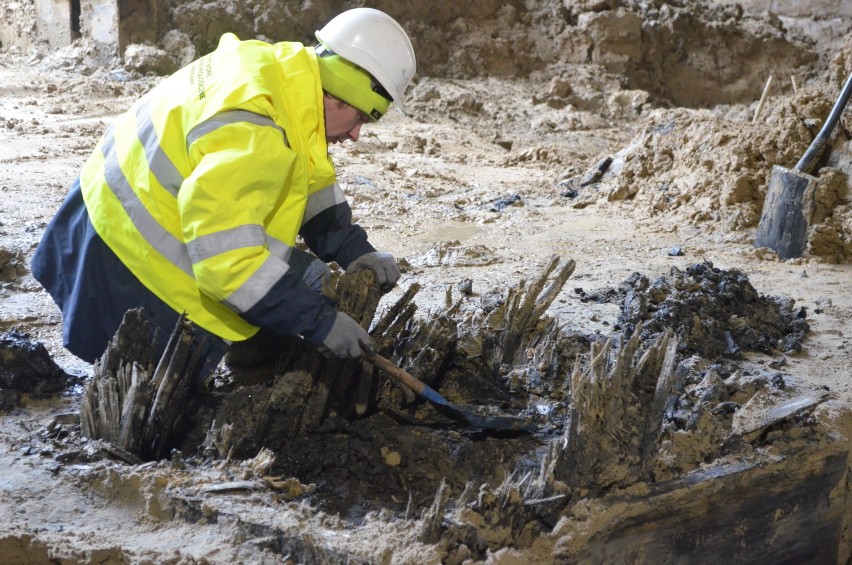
[(383, 264), (347, 339), (314, 272)]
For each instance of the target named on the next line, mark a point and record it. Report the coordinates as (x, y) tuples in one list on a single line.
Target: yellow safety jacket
[(201, 188)]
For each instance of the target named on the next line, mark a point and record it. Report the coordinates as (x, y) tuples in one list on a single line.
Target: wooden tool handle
[(397, 373)]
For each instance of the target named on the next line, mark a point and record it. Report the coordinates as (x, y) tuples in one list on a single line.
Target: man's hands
[(382, 264), (347, 339), (312, 270)]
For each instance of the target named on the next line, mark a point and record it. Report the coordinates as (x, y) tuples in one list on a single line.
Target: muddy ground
[(635, 160)]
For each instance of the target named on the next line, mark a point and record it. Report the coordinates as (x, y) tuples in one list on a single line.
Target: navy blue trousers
[(94, 289)]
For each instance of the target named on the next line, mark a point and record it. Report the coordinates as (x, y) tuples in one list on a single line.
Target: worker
[(193, 200)]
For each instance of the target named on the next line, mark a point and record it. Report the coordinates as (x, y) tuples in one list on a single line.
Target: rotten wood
[(664, 394), (120, 453), (516, 319), (137, 410), (432, 518), (357, 294), (750, 420), (787, 212), (234, 486), (784, 512), (609, 424)]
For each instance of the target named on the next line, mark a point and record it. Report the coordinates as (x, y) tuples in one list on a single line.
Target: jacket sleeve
[(328, 230), (242, 174)]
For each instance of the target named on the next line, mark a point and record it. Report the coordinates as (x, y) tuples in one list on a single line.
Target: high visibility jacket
[(202, 187)]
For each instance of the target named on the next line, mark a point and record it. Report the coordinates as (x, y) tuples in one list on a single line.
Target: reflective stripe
[(278, 248), (322, 200), (230, 117), (257, 286), (213, 244), (165, 243), (161, 166)]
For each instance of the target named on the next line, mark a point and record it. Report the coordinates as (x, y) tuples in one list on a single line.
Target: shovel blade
[(468, 416), (500, 423), (784, 222)]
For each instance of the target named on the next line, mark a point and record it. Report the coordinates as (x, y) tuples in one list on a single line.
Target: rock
[(12, 265), (392, 458), (499, 204), (149, 59)]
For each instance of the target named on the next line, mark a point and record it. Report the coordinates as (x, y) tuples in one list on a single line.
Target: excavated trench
[(668, 402)]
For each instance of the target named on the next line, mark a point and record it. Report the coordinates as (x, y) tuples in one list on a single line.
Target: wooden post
[(763, 96), (786, 214)]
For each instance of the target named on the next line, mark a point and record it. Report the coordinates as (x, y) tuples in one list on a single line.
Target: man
[(193, 199)]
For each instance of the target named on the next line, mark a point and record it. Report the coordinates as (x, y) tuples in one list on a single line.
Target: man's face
[(342, 121)]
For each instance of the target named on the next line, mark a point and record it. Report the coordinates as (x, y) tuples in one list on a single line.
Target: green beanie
[(351, 83)]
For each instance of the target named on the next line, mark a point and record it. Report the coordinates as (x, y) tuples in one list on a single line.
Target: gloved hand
[(312, 269), (347, 339), (383, 264)]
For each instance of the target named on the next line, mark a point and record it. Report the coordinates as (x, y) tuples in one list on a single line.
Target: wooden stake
[(432, 518), (762, 100)]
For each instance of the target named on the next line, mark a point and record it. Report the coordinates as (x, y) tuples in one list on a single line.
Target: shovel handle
[(397, 373), (459, 413), (815, 149)]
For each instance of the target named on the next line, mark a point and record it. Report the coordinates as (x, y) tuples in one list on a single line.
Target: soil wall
[(686, 53), (690, 54)]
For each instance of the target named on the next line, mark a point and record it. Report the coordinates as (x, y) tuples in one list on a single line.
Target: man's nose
[(355, 132)]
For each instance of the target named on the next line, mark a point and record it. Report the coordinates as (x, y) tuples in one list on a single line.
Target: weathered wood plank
[(786, 212), (784, 512)]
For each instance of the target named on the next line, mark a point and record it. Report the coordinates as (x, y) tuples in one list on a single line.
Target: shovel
[(461, 414), (783, 223)]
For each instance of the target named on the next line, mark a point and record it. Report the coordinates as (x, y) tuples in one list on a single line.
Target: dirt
[(642, 163)]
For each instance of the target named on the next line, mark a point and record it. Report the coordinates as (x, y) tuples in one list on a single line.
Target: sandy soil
[(479, 165)]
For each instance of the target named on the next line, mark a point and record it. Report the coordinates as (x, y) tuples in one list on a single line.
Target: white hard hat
[(375, 42)]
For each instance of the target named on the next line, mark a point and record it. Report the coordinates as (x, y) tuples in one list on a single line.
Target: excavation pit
[(622, 422)]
